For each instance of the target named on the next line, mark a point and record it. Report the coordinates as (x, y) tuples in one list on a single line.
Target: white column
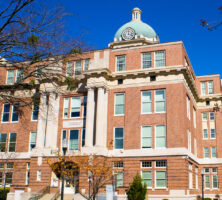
[(52, 124), (90, 118), (100, 117), (41, 123)]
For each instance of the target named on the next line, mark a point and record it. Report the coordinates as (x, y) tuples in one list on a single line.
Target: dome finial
[(136, 14)]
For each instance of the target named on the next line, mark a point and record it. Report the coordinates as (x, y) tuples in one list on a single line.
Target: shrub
[(137, 190), (207, 198), (3, 197), (164, 199)]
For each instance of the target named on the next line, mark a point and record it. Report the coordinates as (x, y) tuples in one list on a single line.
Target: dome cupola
[(135, 31)]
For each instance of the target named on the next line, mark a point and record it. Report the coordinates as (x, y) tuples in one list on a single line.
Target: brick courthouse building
[(165, 122)]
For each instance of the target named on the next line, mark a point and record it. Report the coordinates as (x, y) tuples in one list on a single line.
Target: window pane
[(147, 60), (69, 69), (65, 108), (19, 75), (74, 140), (77, 67), (84, 105), (33, 136), (6, 110), (119, 103), (210, 87), (160, 178), (160, 100), (215, 181), (3, 137), (146, 102), (75, 106), (86, 64), (83, 137), (10, 77), (204, 116), (120, 65), (203, 88), (206, 152), (35, 112), (118, 132), (212, 133), (159, 58), (12, 142), (160, 130), (205, 133), (147, 178), (211, 116), (15, 112)]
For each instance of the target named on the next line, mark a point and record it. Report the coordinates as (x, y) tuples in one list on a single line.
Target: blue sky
[(172, 20)]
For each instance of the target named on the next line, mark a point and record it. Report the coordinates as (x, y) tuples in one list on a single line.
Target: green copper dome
[(140, 29)]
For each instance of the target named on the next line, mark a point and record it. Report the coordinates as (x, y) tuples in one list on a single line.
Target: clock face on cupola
[(128, 34)]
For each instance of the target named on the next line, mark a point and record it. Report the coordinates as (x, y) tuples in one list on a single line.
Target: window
[(32, 142), (119, 103), (194, 118), (86, 64), (146, 102), (12, 142), (3, 137), (189, 140), (10, 77), (147, 178), (147, 60), (73, 140), (1, 178), (15, 112), (120, 63), (159, 58), (207, 181), (78, 67), (2, 165), (8, 178), (196, 177), (195, 146), (118, 138), (160, 101), (5, 113), (205, 134), (10, 165), (19, 75), (84, 106), (65, 108), (69, 69), (119, 179), (213, 152), (161, 163), (211, 116), (35, 112), (204, 116), (27, 178), (190, 180), (210, 87), (39, 175), (206, 152), (212, 133), (146, 164), (215, 182), (63, 137), (188, 107), (146, 136), (160, 179), (203, 88), (214, 170), (75, 106), (160, 136), (83, 137), (207, 170), (118, 164)]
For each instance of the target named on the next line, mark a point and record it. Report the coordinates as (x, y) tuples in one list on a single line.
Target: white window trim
[(116, 63), (165, 179), (76, 150), (3, 113), (212, 182), (30, 139), (115, 104), (34, 120), (146, 161), (39, 172), (209, 87), (141, 134), (69, 105), (142, 53), (71, 108), (151, 175), (7, 77), (114, 137), (206, 188), (12, 115), (145, 113), (165, 137), (201, 91), (207, 134), (155, 100), (155, 58), (9, 142)]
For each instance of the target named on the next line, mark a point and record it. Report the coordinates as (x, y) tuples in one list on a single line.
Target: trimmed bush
[(2, 196), (207, 198), (137, 190)]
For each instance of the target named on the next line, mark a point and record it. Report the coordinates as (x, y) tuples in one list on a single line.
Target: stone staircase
[(66, 197)]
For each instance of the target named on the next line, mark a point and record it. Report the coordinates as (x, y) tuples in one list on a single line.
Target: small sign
[(109, 192), (73, 123)]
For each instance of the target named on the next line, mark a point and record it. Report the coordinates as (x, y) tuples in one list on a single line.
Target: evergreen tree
[(137, 190)]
